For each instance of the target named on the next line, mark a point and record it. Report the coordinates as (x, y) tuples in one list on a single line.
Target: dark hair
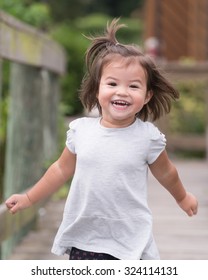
[(101, 52)]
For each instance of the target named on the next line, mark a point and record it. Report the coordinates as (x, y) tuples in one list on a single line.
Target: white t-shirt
[(106, 209)]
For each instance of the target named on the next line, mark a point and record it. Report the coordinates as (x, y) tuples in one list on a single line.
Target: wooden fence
[(36, 64)]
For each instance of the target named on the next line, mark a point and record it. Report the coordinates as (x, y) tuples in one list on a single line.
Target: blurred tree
[(123, 8), (29, 11), (70, 9)]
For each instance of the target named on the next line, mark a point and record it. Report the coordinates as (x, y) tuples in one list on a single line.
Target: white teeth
[(120, 102)]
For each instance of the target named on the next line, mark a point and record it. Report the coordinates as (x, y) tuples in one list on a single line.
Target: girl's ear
[(148, 96)]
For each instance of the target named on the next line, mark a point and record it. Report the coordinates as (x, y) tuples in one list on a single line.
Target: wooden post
[(32, 135), (24, 154), (50, 97), (24, 136), (24, 151)]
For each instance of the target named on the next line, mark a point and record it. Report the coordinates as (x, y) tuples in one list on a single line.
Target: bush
[(188, 114)]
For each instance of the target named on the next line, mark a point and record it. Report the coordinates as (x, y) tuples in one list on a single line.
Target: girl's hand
[(189, 204), (18, 202)]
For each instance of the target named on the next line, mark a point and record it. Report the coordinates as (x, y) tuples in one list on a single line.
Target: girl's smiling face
[(122, 92)]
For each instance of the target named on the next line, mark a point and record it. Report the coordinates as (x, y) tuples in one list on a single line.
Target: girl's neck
[(118, 124)]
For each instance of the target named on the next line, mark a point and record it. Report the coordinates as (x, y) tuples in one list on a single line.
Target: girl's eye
[(112, 84), (134, 86)]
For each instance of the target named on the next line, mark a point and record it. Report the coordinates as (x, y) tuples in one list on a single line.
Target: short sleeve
[(157, 144), (70, 139)]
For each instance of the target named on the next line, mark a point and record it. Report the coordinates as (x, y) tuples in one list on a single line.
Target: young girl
[(106, 214)]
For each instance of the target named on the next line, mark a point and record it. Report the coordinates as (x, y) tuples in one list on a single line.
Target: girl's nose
[(122, 91)]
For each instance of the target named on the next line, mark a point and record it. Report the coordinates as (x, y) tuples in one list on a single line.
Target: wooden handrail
[(23, 43)]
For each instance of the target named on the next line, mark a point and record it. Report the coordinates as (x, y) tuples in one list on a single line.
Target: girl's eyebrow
[(131, 81), (136, 80), (110, 77)]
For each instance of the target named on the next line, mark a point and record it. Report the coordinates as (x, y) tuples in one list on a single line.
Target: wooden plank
[(24, 44), (186, 142), (184, 71)]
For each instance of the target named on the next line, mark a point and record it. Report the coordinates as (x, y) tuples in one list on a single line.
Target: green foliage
[(188, 114), (94, 24), (36, 14), (65, 9), (13, 7), (75, 45)]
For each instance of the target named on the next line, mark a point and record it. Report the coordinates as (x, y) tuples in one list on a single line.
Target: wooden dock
[(178, 236)]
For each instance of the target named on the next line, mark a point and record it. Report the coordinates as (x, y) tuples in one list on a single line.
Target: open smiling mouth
[(120, 103)]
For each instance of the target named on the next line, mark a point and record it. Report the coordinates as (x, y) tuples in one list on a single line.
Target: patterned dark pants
[(77, 254)]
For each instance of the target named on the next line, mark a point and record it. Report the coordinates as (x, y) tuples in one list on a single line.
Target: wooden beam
[(186, 71), (24, 44)]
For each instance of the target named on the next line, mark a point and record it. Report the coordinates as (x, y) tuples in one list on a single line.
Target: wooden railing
[(36, 64)]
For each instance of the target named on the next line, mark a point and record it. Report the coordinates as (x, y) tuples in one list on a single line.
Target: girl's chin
[(118, 121)]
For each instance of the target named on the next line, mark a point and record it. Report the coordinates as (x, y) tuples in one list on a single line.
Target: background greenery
[(188, 114)]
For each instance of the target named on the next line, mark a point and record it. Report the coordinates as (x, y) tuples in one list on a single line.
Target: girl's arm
[(56, 175), (165, 172)]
